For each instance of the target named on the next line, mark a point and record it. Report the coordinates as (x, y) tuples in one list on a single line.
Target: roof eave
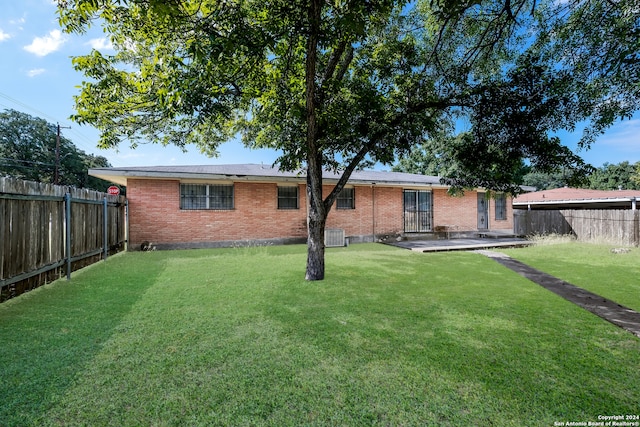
[(556, 202), (121, 176)]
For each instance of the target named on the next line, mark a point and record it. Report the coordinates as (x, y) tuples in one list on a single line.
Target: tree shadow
[(49, 335)]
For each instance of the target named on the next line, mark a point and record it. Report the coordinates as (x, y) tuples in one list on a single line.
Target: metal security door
[(418, 211), (483, 212)]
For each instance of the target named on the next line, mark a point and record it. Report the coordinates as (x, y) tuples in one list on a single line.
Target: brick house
[(221, 205)]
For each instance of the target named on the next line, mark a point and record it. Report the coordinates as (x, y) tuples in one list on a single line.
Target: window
[(346, 199), (501, 206), (203, 196), (288, 197)]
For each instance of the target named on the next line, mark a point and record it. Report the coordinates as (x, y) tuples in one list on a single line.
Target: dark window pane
[(193, 196), (346, 199), (221, 197), (287, 197), (202, 196), (501, 207)]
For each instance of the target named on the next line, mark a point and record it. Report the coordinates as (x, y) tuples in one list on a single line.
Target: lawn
[(238, 337), (615, 276)]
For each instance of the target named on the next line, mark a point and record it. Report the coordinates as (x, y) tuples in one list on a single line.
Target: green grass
[(238, 337), (615, 276)]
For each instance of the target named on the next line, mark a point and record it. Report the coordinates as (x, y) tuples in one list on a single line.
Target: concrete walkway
[(615, 313)]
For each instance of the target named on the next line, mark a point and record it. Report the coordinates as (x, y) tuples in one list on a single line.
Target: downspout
[(126, 224), (373, 212), (636, 226)]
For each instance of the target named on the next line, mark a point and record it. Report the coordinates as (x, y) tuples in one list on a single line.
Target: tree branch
[(346, 174), (333, 63), (344, 64)]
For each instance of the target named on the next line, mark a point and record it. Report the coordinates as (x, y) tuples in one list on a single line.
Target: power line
[(33, 162), (22, 104), (45, 115), (87, 145)]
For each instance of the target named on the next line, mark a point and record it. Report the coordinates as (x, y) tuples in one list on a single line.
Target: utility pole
[(56, 175)]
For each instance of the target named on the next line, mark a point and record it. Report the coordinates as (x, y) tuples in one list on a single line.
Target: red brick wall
[(155, 214), (365, 219), (462, 211)]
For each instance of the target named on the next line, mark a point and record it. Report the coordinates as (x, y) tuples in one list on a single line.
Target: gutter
[(528, 204)]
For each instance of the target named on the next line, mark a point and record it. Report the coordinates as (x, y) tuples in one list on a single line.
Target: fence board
[(33, 227), (617, 226)]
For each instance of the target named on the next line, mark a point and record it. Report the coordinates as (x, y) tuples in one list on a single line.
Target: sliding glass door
[(418, 211)]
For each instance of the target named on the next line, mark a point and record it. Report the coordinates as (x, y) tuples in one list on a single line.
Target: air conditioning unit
[(333, 237)]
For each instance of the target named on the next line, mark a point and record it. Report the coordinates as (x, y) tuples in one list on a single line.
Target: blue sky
[(36, 77)]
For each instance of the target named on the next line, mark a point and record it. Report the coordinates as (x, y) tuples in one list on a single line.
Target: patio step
[(496, 234)]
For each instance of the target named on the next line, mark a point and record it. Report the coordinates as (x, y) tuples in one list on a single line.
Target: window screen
[(346, 199), (501, 206), (206, 196), (288, 197)]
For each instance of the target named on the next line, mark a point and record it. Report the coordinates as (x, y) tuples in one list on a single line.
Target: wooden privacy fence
[(618, 226), (47, 231)]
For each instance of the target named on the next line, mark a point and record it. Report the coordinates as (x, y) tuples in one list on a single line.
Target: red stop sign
[(113, 190)]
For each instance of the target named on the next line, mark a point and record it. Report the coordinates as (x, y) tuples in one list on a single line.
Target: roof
[(576, 198), (256, 173)]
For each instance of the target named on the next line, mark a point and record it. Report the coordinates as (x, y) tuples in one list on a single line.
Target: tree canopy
[(620, 176), (423, 159), (28, 151), (335, 85)]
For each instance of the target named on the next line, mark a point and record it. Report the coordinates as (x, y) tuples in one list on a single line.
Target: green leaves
[(179, 74), (335, 84), (387, 76)]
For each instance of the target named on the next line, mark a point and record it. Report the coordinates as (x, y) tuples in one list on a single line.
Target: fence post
[(105, 234), (67, 222), (636, 228)]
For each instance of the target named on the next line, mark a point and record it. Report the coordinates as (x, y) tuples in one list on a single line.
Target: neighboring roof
[(255, 172), (576, 198)]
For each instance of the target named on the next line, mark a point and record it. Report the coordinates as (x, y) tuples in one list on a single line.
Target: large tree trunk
[(317, 218), (317, 215)]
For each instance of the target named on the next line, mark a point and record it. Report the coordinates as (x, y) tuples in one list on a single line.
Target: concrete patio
[(488, 241)]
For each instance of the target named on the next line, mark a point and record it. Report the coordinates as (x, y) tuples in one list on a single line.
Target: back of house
[(224, 205)]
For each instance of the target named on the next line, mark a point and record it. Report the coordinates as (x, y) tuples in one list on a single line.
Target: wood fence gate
[(47, 231)]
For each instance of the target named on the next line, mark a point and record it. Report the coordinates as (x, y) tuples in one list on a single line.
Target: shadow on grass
[(49, 334), (472, 342)]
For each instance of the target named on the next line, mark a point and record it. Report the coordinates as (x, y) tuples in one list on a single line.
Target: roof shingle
[(574, 194), (119, 174)]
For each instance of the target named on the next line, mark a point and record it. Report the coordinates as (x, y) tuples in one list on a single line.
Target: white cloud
[(4, 36), (100, 44), (17, 24), (18, 21), (623, 135), (35, 72), (43, 46)]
